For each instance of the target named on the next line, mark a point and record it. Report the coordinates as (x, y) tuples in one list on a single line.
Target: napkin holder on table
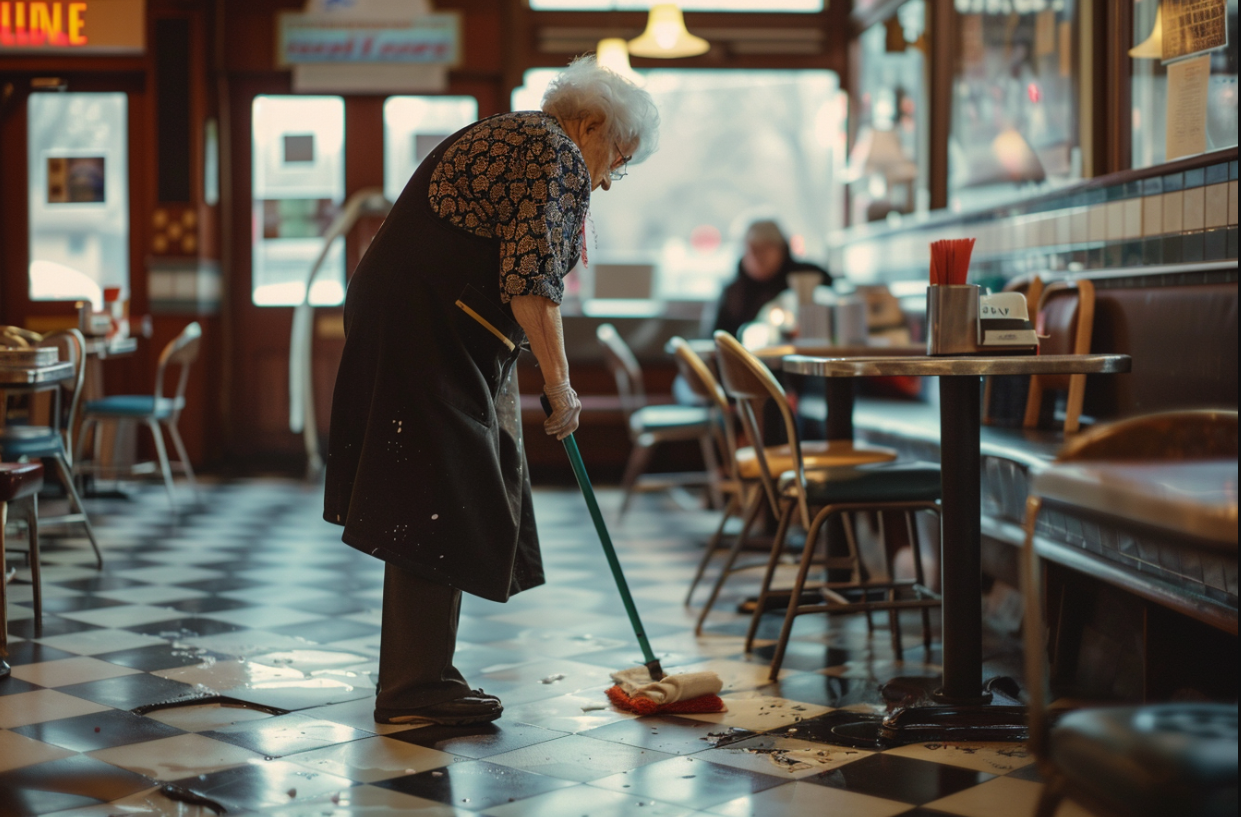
[(962, 321)]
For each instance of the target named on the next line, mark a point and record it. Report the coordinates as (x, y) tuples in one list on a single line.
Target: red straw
[(950, 261)]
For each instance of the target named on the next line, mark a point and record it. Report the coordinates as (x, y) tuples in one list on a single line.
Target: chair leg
[(36, 573), (847, 522), (66, 476), (712, 546), (777, 548), (179, 444), (920, 577), (807, 556), (639, 458), (164, 466), (753, 505), (711, 462), (81, 446)]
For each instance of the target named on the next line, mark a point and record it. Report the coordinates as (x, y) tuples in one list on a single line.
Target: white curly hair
[(629, 114)]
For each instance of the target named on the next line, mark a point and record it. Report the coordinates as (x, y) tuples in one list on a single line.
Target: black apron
[(426, 468)]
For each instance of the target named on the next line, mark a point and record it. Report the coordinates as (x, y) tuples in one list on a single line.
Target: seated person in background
[(761, 276)]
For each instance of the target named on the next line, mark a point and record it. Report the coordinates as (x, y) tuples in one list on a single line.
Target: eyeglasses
[(619, 170)]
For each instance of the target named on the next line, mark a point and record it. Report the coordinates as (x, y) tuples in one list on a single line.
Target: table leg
[(960, 463)]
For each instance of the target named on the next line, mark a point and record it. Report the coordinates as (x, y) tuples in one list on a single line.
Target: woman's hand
[(540, 317), (566, 409)]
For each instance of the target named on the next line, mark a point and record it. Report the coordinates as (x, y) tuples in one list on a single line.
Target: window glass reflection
[(413, 127), (1014, 107), (298, 184), (78, 177), (734, 146), (1150, 88)]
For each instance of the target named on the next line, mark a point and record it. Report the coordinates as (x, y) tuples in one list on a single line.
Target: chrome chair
[(860, 479), (1137, 761), (652, 425), (19, 482), (51, 442), (156, 411)]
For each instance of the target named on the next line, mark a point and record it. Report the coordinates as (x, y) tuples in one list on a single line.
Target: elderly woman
[(426, 468)]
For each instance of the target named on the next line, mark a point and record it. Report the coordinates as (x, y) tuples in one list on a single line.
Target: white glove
[(565, 410)]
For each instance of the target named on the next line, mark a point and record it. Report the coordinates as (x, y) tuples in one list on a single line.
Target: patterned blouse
[(518, 177)]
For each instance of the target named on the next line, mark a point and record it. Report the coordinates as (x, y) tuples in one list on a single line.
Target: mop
[(645, 690)]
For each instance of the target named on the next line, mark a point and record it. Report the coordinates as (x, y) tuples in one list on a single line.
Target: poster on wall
[(1193, 26), (75, 180), (1187, 107)]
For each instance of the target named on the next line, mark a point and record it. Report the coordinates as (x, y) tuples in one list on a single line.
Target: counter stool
[(1144, 761), (19, 481), (863, 483)]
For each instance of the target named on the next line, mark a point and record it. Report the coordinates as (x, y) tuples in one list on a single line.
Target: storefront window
[(887, 170), (78, 177), (1150, 86), (413, 126), (1015, 100), (298, 184), (734, 146), (686, 5)]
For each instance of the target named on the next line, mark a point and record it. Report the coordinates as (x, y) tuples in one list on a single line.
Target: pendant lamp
[(666, 37), (613, 54), (1152, 47)]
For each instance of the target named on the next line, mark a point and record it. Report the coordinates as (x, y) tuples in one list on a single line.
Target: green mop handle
[(583, 481)]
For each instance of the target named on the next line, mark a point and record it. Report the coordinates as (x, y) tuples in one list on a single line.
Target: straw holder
[(952, 319)]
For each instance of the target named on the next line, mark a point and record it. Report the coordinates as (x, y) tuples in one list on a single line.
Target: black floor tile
[(477, 741), (73, 604), (689, 782), (325, 632), (816, 688), (286, 735), (52, 625), (72, 782), (104, 581), (334, 606), (262, 785), (155, 657), (12, 686), (1029, 772), (130, 691), (475, 785), (99, 730), (677, 736), (207, 604), (222, 584), (188, 627), (32, 652), (899, 778)]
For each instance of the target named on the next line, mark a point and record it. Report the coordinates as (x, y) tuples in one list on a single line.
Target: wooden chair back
[(701, 381), (747, 380), (1066, 319), (619, 359)]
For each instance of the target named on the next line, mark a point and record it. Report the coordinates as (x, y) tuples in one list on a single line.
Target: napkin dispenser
[(1004, 324), (963, 321)]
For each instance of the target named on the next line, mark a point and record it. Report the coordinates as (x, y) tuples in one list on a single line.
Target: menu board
[(1193, 26)]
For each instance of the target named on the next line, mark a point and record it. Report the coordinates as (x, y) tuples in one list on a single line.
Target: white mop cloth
[(637, 683)]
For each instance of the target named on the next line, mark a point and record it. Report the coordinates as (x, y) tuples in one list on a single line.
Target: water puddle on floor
[(289, 669)]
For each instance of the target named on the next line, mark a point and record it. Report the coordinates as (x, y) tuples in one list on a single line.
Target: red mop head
[(645, 706)]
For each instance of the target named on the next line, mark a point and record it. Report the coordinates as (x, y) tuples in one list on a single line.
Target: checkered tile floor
[(257, 599)]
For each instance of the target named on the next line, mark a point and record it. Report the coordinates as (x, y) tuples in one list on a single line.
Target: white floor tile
[(41, 705), (95, 642), (176, 757), (66, 671)]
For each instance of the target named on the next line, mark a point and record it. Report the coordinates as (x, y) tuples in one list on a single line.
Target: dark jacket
[(742, 299)]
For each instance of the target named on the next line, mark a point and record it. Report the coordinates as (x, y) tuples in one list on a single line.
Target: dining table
[(965, 711)]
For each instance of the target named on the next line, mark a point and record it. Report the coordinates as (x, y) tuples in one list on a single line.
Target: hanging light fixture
[(1152, 47), (613, 54), (666, 37)]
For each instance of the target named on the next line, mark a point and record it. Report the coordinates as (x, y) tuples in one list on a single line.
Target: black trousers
[(417, 642)]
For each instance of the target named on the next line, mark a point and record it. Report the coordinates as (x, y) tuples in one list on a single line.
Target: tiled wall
[(1183, 217)]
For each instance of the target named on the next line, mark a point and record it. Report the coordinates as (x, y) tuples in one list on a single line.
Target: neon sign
[(72, 26), (35, 24)]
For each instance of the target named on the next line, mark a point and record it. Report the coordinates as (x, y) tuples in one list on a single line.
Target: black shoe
[(476, 707), (6, 670)]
